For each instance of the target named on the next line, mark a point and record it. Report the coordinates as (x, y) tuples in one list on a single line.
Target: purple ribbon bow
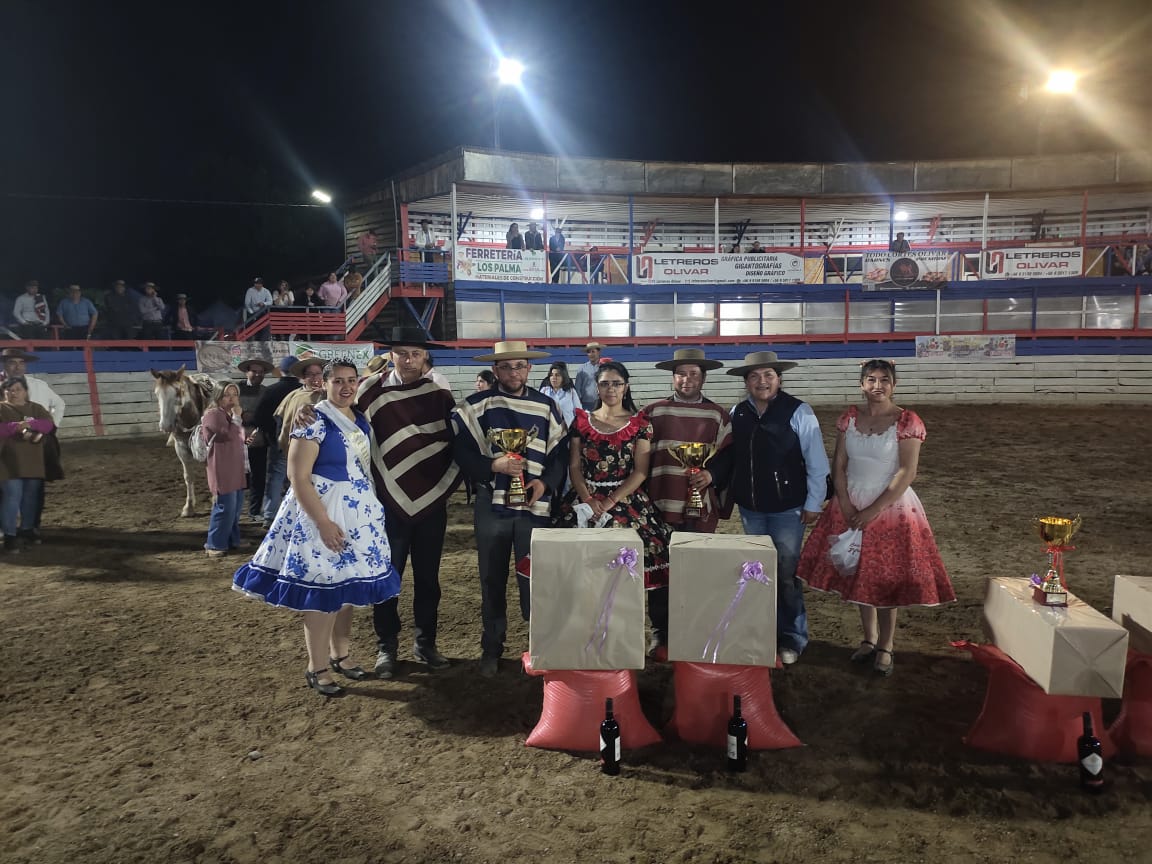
[(626, 559), (752, 571)]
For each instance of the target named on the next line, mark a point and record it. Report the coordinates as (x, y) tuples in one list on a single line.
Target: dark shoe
[(332, 689), (385, 664), (884, 669), (489, 666), (356, 673), (657, 650), (431, 656), (864, 653), (11, 544), (31, 537)]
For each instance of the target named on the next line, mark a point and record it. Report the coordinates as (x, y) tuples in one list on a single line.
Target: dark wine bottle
[(609, 742), (737, 739), (1090, 754)]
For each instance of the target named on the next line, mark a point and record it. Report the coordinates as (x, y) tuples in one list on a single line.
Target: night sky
[(245, 102)]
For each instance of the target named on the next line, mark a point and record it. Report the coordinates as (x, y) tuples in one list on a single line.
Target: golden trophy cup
[(513, 442), (1057, 533), (693, 457)]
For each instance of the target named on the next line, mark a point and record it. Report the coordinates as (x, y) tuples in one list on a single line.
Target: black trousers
[(424, 542), (258, 462), (496, 539)]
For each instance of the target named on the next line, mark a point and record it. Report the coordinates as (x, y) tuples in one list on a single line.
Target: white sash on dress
[(355, 437)]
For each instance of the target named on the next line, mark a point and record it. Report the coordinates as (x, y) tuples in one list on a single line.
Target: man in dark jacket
[(121, 316), (778, 437)]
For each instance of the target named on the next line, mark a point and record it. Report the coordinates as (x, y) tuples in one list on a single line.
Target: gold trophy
[(513, 442), (693, 457), (1056, 532)]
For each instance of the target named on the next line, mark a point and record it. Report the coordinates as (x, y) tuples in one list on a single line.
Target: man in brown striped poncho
[(684, 417), (412, 467)]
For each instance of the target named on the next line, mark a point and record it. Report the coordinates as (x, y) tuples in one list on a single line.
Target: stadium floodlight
[(1061, 81), (900, 216), (509, 71), (321, 196), (537, 213)]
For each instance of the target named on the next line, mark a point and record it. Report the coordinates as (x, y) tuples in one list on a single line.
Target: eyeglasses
[(610, 385), (512, 367)]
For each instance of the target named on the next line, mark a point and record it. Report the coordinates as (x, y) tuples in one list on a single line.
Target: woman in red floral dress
[(877, 453), (608, 465)]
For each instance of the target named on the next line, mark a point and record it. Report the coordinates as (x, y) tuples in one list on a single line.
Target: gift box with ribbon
[(722, 599), (587, 599), (1132, 610)]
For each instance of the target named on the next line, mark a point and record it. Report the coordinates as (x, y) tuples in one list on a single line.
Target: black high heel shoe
[(356, 673), (331, 689)]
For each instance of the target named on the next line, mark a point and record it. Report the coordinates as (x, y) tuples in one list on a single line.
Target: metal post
[(454, 239), (984, 235), (631, 234), (891, 220), (716, 225)]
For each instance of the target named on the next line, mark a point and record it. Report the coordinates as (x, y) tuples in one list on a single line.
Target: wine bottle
[(609, 742), (1090, 754), (737, 739)]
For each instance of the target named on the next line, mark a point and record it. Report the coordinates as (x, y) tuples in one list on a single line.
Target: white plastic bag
[(844, 551)]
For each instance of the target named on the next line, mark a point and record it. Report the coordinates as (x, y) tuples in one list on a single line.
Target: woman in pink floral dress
[(893, 560)]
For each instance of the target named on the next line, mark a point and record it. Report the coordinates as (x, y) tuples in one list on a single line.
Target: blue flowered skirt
[(294, 569)]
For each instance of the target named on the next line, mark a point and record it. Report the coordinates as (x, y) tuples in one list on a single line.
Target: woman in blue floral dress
[(326, 551), (609, 453)]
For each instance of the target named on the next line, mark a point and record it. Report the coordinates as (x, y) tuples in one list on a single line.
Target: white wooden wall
[(128, 407)]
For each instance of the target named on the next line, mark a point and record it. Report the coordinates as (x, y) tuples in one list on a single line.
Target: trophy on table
[(513, 442), (693, 456), (1056, 532)]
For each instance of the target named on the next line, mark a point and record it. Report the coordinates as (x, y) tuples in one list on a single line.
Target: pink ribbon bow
[(625, 560), (752, 571)]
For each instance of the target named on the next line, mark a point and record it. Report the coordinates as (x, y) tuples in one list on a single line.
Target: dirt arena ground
[(149, 714)]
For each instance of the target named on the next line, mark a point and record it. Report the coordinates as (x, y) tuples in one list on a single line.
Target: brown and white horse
[(183, 398)]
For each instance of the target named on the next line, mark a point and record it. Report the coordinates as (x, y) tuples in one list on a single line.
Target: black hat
[(411, 337)]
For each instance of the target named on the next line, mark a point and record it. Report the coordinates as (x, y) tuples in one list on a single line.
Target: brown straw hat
[(693, 356), (760, 360)]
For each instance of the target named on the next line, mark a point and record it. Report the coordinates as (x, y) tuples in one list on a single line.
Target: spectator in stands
[(257, 301), (77, 314), (596, 265), (756, 248), (222, 430), (586, 377), (556, 258), (559, 388), (899, 245), (182, 319), (513, 237), (24, 427), (425, 239), (284, 295), (333, 293), (367, 243), (310, 300), (151, 313), (533, 240), (486, 380), (1143, 260), (121, 312), (251, 389), (31, 312)]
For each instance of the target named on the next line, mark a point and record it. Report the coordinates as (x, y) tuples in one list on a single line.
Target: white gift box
[(722, 599), (1132, 610), (1070, 651), (587, 603)]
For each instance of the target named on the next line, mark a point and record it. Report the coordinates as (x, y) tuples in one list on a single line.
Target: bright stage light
[(900, 215), (537, 213), (509, 71), (1061, 81), (321, 196)]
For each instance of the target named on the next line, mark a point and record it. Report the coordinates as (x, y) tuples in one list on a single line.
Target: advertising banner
[(904, 271), (485, 264), (1033, 263), (222, 358), (965, 347), (664, 268)]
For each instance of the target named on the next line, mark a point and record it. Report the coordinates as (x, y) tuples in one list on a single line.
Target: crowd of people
[(359, 469)]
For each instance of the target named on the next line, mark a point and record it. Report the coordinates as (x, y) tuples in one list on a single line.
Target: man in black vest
[(778, 436)]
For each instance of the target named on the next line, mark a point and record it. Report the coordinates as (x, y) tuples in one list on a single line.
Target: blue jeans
[(787, 533), (21, 499), (224, 523), (275, 482)]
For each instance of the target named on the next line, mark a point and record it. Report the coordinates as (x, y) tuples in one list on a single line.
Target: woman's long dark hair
[(622, 370), (565, 380), (872, 365)]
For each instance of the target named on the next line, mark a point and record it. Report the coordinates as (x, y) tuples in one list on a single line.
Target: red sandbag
[(1132, 731), (1020, 719), (574, 707), (704, 694)]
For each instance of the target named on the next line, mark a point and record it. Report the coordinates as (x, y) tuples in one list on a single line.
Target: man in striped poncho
[(412, 467), (684, 417), (502, 527)]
